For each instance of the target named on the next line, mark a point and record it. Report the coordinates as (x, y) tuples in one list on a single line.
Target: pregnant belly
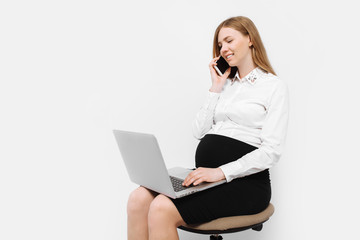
[(216, 150)]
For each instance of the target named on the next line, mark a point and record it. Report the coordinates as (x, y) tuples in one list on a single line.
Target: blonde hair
[(245, 26)]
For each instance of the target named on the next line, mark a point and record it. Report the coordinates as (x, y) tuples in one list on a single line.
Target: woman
[(242, 127)]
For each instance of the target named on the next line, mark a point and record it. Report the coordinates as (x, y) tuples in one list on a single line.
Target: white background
[(71, 71)]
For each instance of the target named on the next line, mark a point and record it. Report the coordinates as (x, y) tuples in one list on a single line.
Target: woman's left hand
[(204, 175)]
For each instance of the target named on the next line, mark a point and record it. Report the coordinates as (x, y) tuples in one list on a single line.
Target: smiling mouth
[(229, 56)]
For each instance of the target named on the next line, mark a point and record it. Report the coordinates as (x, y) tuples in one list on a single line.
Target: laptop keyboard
[(177, 184)]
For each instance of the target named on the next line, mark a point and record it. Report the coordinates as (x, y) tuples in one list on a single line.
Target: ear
[(250, 43)]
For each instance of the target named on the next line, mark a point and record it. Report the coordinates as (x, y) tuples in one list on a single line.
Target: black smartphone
[(221, 66)]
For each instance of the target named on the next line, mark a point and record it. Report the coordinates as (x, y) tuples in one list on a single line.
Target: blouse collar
[(251, 77)]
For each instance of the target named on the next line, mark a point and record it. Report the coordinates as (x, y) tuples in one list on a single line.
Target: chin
[(232, 64)]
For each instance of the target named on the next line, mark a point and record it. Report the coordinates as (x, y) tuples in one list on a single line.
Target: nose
[(223, 50)]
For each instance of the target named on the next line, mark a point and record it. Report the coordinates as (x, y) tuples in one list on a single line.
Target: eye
[(230, 41)]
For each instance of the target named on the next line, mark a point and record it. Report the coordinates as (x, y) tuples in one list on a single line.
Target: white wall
[(71, 71)]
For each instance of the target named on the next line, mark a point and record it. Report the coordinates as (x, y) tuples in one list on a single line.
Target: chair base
[(216, 237), (258, 228), (219, 237)]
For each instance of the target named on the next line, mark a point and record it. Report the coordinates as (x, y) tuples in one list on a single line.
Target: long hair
[(245, 26)]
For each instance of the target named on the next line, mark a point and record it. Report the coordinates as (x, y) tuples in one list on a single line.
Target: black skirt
[(241, 196)]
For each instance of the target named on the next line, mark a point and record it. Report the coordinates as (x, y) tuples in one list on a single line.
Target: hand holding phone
[(220, 71)]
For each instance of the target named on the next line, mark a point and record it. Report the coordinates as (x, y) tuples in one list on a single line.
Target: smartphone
[(221, 66)]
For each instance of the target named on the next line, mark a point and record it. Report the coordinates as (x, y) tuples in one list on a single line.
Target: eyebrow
[(224, 39)]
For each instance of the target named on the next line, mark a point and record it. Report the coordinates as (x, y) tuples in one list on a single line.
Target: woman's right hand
[(217, 81)]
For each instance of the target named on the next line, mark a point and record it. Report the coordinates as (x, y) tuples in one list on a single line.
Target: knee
[(139, 201), (160, 205), (161, 212)]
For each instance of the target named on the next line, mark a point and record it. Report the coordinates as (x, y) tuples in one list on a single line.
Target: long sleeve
[(205, 117), (272, 138)]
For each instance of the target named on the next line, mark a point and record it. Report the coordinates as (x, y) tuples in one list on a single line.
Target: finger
[(186, 181), (226, 73), (212, 64), (193, 178), (212, 69), (189, 179), (189, 182), (214, 60), (198, 181), (199, 178)]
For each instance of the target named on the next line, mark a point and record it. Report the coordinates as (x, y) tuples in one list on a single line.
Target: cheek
[(242, 48)]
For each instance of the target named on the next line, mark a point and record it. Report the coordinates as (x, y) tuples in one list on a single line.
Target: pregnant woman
[(242, 128)]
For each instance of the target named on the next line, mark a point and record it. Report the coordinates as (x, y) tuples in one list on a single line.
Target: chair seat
[(231, 224)]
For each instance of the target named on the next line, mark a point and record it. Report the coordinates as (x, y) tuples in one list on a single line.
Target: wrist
[(216, 89), (221, 173)]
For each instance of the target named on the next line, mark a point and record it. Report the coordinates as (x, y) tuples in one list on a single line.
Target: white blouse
[(254, 110)]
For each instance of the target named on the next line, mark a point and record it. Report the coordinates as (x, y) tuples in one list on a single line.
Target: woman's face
[(234, 46)]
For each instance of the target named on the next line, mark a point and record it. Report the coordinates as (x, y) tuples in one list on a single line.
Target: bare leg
[(163, 219), (137, 211)]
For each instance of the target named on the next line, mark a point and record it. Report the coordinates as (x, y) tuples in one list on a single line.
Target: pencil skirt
[(242, 196)]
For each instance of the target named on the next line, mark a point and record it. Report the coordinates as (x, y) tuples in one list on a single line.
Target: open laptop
[(146, 167)]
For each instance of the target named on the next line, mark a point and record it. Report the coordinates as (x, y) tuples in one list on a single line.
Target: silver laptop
[(146, 167)]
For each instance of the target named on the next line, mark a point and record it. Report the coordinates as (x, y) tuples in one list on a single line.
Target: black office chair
[(231, 224)]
